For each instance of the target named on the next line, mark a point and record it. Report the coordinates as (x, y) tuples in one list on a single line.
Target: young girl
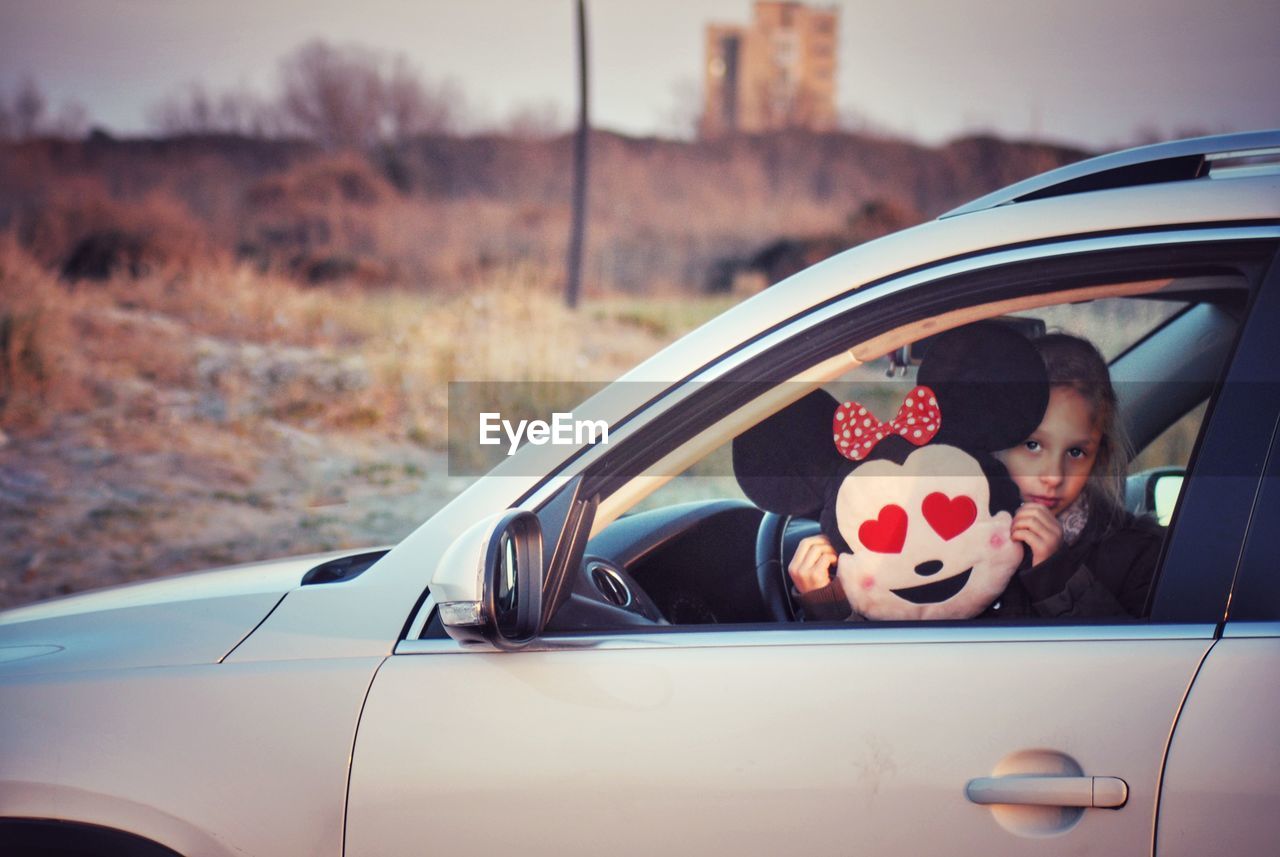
[(1089, 557)]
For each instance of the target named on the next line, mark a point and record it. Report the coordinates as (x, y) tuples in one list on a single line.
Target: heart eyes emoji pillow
[(923, 545), (918, 508)]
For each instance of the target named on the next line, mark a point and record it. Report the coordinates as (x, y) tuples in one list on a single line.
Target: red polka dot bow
[(857, 431)]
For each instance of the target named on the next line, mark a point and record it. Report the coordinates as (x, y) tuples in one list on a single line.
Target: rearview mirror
[(489, 582)]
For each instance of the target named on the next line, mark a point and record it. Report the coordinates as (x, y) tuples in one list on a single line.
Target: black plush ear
[(1005, 496), (785, 463), (991, 385)]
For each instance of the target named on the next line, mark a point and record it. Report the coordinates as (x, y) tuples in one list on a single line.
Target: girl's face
[(1053, 465)]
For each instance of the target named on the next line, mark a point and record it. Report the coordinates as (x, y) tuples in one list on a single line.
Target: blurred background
[(244, 247)]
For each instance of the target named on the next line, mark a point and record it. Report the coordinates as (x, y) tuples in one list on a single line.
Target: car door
[(932, 738), (758, 743)]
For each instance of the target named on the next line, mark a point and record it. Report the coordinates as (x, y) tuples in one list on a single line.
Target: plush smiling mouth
[(932, 593)]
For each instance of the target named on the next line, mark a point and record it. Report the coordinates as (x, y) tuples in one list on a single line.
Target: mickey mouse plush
[(918, 509)]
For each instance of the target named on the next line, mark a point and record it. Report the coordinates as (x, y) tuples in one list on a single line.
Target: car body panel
[(185, 619), (163, 752), (1221, 786), (199, 631), (682, 746)]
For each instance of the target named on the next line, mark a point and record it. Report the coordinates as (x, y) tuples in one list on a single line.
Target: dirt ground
[(189, 450), (77, 514)]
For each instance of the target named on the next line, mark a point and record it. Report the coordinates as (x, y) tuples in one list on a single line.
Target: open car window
[(677, 544)]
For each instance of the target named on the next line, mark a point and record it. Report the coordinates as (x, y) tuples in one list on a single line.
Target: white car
[(574, 658)]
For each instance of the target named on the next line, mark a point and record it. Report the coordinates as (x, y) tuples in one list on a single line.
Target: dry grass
[(41, 372), (182, 419), (334, 357), (71, 220)]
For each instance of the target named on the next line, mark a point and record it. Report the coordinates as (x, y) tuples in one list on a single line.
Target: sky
[(1096, 73)]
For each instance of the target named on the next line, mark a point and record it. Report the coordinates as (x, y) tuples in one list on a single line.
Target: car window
[(1112, 324), (1173, 446), (726, 538)]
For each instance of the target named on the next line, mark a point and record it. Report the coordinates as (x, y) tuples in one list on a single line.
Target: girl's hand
[(810, 568), (1036, 527)]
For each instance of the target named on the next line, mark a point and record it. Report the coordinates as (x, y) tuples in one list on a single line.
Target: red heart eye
[(887, 533), (948, 516)]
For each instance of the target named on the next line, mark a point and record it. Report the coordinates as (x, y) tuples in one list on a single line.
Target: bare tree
[(71, 122), (197, 111), (25, 114), (538, 120), (28, 110), (352, 97), (340, 96), (187, 113), (413, 106), (334, 94)]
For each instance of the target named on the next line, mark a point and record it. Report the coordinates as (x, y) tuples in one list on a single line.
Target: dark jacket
[(1107, 572)]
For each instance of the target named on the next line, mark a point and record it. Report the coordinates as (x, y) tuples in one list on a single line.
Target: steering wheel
[(771, 567)]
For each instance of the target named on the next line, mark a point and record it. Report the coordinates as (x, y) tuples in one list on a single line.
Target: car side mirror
[(1154, 492), (489, 582), (1165, 489)]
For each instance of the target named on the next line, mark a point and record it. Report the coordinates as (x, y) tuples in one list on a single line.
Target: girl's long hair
[(1076, 363)]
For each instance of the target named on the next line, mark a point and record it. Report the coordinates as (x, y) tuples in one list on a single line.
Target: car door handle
[(1107, 792)]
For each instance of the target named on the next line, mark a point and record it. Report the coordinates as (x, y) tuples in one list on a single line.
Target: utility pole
[(573, 286)]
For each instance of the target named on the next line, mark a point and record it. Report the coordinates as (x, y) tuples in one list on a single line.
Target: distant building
[(778, 72)]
